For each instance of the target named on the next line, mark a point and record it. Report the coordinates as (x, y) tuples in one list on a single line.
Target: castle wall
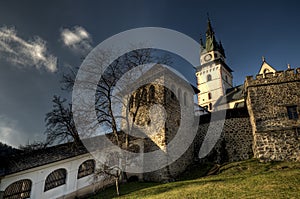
[(275, 128), (235, 142)]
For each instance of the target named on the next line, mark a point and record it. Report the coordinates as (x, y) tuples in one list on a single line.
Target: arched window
[(144, 95), (184, 98), (208, 77), (179, 94), (210, 106), (55, 179), (86, 168), (131, 102), (20, 189), (152, 93), (209, 96)]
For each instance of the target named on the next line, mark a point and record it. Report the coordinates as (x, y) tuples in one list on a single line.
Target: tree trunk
[(117, 186)]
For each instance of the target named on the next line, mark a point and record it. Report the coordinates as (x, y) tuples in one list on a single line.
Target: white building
[(214, 76), (56, 172)]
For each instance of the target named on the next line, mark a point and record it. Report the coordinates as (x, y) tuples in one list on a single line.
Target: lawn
[(246, 179)]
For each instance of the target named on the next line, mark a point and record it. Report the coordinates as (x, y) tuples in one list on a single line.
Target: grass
[(246, 179)]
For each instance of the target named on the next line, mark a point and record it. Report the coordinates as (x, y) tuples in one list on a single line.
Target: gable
[(266, 68)]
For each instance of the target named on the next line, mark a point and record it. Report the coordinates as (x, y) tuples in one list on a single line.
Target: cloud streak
[(77, 39), (25, 53), (10, 133)]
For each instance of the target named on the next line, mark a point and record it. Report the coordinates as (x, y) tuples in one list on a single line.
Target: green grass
[(246, 179)]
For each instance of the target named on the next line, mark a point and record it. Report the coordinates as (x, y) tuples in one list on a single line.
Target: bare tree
[(60, 124)]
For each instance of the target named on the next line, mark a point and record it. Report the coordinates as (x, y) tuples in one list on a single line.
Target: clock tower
[(214, 77)]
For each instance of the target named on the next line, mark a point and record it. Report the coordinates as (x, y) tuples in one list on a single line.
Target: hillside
[(246, 179)]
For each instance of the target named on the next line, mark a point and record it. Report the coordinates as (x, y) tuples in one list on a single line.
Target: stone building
[(273, 101)]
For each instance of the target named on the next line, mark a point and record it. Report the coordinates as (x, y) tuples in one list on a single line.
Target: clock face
[(207, 57)]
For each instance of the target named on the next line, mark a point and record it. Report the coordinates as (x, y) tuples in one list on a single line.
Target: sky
[(41, 40)]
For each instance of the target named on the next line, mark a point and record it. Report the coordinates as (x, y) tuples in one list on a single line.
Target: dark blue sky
[(248, 30)]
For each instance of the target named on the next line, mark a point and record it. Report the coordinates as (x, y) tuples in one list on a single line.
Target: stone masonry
[(273, 102)]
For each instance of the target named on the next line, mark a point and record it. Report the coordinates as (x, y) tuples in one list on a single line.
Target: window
[(20, 189), (144, 95), (208, 77), (226, 78), (152, 93), (86, 168), (292, 112), (209, 96), (131, 102), (210, 106), (55, 179), (184, 98)]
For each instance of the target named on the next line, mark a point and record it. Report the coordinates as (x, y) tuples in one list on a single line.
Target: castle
[(260, 119)]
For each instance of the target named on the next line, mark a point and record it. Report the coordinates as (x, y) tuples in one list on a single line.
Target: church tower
[(214, 77)]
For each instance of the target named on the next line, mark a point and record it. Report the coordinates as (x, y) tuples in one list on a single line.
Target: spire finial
[(289, 66), (263, 58), (208, 19)]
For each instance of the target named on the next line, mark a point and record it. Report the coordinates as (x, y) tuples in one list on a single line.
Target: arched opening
[(55, 179), (131, 102), (210, 106), (20, 189), (152, 93), (144, 95), (208, 77), (86, 168)]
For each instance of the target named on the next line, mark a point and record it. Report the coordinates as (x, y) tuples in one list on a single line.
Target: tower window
[(210, 106), (209, 95), (292, 112), (208, 77), (226, 78)]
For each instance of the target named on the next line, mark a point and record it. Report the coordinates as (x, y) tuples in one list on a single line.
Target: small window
[(20, 189), (292, 112), (209, 96), (208, 77), (86, 168), (226, 78), (152, 93), (210, 106), (55, 179), (131, 102)]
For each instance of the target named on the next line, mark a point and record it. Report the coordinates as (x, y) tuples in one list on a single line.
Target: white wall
[(38, 176)]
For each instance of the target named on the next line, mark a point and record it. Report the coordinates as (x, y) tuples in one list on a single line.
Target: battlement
[(289, 75)]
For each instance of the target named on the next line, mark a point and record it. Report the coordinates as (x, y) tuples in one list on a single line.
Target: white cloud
[(10, 133), (77, 39), (25, 53)]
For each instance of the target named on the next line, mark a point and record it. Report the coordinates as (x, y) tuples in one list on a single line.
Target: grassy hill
[(246, 179)]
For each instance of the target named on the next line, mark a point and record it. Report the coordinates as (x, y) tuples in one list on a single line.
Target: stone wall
[(235, 142), (268, 98)]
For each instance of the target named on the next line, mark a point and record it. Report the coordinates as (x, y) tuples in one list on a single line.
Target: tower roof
[(211, 43)]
